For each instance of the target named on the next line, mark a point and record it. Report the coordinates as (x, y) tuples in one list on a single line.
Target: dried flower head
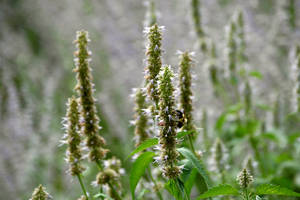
[(167, 136), (213, 70), (244, 178), (82, 198), (141, 118), (185, 83), (197, 24), (290, 8), (115, 164), (247, 97), (241, 42), (107, 176), (111, 175), (250, 164), (219, 156), (89, 119), (74, 154), (231, 50), (153, 53), (40, 193)]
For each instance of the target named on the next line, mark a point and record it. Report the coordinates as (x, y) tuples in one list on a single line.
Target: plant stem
[(82, 186), (185, 194), (152, 179), (99, 165), (246, 192), (191, 144), (116, 194), (100, 168)]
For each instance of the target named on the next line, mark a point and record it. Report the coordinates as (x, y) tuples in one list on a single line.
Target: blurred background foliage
[(36, 78)]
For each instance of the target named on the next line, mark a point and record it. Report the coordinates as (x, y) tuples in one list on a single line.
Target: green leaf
[(275, 190), (196, 163), (183, 133), (220, 121), (256, 74), (218, 191), (138, 169), (189, 183), (145, 145), (172, 188)]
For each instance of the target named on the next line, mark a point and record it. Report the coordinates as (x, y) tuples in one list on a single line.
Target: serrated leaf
[(221, 190), (275, 190), (145, 145), (138, 169), (196, 163)]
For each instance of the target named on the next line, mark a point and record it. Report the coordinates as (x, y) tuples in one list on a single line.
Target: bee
[(179, 119)]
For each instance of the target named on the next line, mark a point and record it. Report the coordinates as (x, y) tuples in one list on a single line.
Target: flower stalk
[(89, 120), (167, 136), (40, 193), (154, 63), (141, 118)]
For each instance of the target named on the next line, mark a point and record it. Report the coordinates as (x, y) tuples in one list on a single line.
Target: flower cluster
[(73, 138), (110, 176), (167, 136), (40, 193), (219, 156), (153, 53), (244, 178), (141, 118), (185, 82), (82, 198), (89, 119)]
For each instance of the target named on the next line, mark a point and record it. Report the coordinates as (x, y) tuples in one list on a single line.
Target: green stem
[(191, 143), (185, 194), (152, 179), (82, 186), (246, 192), (100, 168), (99, 165), (116, 194)]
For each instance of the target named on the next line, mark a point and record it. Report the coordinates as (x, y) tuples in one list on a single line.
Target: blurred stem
[(82, 186), (100, 168), (115, 193), (246, 192), (99, 164), (185, 194), (155, 184)]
